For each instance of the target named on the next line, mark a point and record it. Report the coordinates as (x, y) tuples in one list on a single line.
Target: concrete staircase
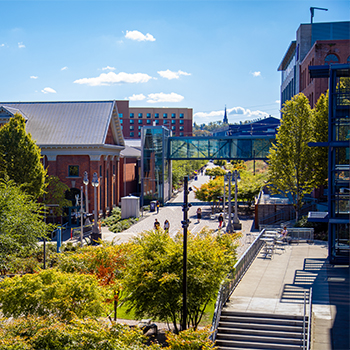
[(241, 330)]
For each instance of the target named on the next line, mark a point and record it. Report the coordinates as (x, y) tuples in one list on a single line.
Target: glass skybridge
[(224, 147)]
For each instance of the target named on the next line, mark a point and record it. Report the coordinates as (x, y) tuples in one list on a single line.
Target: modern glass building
[(338, 160)]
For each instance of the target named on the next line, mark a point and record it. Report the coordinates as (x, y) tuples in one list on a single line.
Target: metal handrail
[(232, 280), (310, 321), (304, 321)]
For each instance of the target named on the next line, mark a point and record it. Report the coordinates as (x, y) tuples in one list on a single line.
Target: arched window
[(331, 58)]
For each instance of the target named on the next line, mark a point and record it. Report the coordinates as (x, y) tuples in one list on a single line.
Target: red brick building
[(322, 52), (75, 137), (178, 120)]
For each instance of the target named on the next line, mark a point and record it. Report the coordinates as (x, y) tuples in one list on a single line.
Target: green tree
[(55, 195), (291, 168), (154, 274), (63, 295), (20, 157), (215, 172), (320, 134), (21, 222)]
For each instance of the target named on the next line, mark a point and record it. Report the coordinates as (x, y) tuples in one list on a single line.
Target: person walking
[(166, 226), (157, 207), (221, 220), (156, 224), (199, 215)]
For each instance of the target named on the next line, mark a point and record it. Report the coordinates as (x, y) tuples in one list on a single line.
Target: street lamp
[(86, 182), (224, 204), (229, 228), (236, 222), (95, 231)]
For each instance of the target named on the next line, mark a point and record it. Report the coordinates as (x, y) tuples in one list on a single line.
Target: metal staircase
[(241, 330)]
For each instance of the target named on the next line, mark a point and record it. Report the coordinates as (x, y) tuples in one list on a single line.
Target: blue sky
[(196, 54)]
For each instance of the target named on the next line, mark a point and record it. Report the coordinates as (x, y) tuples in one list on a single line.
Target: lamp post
[(86, 182), (81, 216), (95, 231), (229, 228), (236, 223), (224, 204)]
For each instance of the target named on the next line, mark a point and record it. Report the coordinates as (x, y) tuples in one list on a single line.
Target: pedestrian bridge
[(159, 148), (242, 148)]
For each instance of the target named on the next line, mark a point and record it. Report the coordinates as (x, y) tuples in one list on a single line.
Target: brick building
[(178, 120), (315, 44), (75, 137)]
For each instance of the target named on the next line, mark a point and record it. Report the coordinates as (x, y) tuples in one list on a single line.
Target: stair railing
[(307, 334), (233, 278)]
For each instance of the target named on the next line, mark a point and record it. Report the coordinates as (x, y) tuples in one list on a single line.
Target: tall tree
[(20, 157), (320, 134), (291, 168), (21, 222)]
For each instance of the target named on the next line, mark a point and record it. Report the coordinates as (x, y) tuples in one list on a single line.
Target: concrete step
[(260, 320), (262, 326), (259, 339), (232, 345), (260, 332)]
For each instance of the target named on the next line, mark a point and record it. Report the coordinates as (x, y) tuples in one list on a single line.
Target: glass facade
[(155, 168), (218, 148)]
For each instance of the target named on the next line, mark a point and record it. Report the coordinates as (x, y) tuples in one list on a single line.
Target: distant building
[(177, 120), (263, 127), (225, 121), (315, 44)]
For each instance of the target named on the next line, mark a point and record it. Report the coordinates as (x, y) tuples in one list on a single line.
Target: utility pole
[(312, 10)]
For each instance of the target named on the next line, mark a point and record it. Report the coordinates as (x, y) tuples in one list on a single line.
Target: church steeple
[(225, 121)]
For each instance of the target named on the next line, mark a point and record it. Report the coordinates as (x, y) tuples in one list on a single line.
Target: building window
[(140, 127), (148, 121), (121, 121), (121, 127), (131, 134), (181, 128), (73, 170), (181, 121), (331, 58), (173, 115), (165, 115), (120, 115), (139, 134), (173, 128), (113, 169), (131, 115), (181, 134), (157, 122), (148, 115), (140, 121), (140, 115), (156, 115), (131, 127), (181, 115), (100, 170), (131, 121), (173, 121), (165, 122)]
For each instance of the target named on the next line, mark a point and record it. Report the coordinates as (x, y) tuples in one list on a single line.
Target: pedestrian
[(156, 224), (166, 226), (199, 215), (284, 234), (221, 219), (157, 207)]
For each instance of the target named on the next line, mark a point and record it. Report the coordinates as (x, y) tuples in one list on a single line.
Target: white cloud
[(234, 114), (162, 97), (33, 77), (2, 45), (256, 74), (112, 78), (138, 36), (64, 68), (278, 101), (48, 90), (108, 68), (168, 74), (21, 45), (139, 97)]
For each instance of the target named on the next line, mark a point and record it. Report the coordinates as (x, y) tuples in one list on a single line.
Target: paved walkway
[(277, 286)]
